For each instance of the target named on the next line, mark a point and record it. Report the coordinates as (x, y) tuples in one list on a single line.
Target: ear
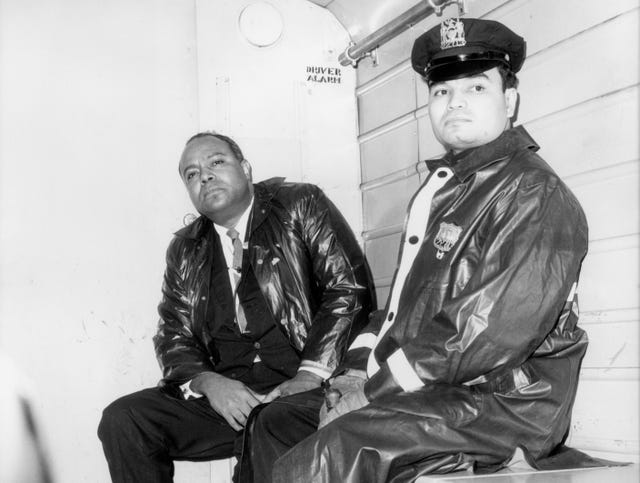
[(511, 98), (246, 167)]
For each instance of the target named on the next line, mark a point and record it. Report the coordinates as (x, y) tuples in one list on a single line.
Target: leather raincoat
[(483, 353), (308, 265)]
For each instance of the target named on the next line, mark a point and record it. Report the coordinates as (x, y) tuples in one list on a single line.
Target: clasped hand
[(231, 399), (234, 401), (301, 382), (350, 387)]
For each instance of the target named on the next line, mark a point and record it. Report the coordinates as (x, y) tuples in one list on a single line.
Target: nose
[(457, 100), (206, 176)]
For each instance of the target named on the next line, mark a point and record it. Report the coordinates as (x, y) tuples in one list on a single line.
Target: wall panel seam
[(621, 169), (387, 127), (580, 33), (579, 104), (384, 77)]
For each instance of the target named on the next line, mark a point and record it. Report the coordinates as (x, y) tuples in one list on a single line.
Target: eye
[(478, 88), (439, 91), (189, 175)]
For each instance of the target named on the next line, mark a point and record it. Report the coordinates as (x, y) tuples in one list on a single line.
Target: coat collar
[(263, 193), (473, 160)]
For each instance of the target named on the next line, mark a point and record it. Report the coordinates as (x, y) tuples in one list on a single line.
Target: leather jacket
[(308, 265)]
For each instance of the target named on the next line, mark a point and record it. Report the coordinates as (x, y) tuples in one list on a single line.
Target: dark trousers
[(143, 433), (274, 428)]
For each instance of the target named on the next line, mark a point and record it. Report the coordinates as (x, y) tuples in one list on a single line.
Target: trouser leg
[(275, 428), (143, 433)]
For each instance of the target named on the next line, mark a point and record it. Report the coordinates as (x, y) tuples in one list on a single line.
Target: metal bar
[(355, 52)]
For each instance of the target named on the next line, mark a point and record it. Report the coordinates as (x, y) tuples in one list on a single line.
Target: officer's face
[(219, 184), (472, 111)]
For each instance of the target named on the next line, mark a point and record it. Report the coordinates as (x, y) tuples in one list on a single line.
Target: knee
[(267, 419), (116, 419)]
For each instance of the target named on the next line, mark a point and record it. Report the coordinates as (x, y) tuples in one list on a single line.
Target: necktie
[(235, 270)]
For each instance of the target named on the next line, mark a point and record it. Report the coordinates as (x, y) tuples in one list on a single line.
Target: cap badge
[(452, 33), (447, 236)]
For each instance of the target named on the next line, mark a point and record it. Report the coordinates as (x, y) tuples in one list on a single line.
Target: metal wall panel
[(382, 264), (610, 200), (613, 344), (588, 68), (385, 205), (609, 279), (592, 135), (390, 151), (387, 101)]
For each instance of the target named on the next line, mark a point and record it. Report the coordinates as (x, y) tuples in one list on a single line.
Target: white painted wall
[(287, 125), (96, 101)]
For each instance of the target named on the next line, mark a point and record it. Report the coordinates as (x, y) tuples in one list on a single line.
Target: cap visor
[(459, 69)]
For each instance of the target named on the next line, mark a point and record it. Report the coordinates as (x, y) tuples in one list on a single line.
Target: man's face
[(219, 184), (472, 111)]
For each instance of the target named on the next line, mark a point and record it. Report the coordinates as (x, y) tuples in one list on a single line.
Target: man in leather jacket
[(262, 295), (477, 352)]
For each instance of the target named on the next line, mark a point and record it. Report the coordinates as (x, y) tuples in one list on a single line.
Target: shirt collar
[(241, 226), (472, 160)]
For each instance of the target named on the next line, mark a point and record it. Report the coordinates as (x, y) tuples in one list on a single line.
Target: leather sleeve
[(180, 354), (342, 278)]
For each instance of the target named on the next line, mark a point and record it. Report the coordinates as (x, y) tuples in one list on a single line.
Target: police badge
[(452, 34), (447, 236)]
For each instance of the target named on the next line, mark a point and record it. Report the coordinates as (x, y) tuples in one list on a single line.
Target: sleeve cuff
[(395, 375), (314, 368), (403, 371), (187, 393)]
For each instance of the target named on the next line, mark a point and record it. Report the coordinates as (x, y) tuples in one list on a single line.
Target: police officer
[(477, 352)]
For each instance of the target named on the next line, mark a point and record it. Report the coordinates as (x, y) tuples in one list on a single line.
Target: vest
[(233, 353)]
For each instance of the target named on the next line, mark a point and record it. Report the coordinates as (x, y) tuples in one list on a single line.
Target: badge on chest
[(446, 238)]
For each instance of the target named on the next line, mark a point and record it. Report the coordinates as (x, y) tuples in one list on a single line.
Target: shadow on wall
[(22, 456)]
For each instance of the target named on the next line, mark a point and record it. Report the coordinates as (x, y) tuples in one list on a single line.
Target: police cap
[(462, 47)]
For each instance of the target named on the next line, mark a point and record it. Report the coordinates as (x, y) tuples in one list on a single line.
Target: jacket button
[(256, 345), (390, 316), (413, 239), (204, 297), (260, 261), (442, 174)]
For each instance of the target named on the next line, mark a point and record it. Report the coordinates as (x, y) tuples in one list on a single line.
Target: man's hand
[(302, 381), (344, 388), (348, 402), (231, 399)]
